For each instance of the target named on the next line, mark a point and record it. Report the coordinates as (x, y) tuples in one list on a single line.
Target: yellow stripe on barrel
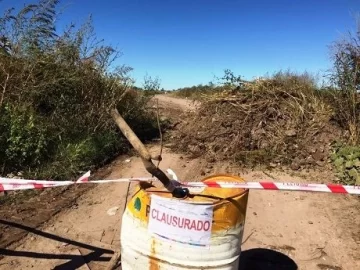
[(229, 203)]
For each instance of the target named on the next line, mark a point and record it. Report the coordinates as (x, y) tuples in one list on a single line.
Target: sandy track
[(284, 230), (179, 103)]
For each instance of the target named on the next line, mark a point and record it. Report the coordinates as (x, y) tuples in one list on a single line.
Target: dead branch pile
[(268, 122)]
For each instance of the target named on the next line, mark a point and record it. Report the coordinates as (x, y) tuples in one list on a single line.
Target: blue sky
[(187, 42)]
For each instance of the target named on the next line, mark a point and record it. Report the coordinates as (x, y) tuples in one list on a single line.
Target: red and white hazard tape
[(7, 184), (84, 178), (329, 188), (11, 184)]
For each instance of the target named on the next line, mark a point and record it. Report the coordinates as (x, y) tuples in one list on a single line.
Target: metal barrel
[(203, 231)]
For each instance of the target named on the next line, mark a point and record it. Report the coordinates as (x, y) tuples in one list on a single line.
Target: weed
[(346, 160)]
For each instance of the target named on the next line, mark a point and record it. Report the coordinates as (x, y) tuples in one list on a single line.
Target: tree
[(151, 84), (346, 57), (346, 78), (31, 30)]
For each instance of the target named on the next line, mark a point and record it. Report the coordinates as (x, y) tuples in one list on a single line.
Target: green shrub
[(346, 160), (57, 91), (26, 141)]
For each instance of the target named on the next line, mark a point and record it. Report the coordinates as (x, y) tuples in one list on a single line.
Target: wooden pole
[(143, 152)]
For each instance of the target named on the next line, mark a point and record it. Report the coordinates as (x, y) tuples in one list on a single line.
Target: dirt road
[(284, 230), (177, 103)]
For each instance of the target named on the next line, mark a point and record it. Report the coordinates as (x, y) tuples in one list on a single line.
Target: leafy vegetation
[(346, 160), (346, 79), (55, 93), (345, 97), (196, 92), (56, 89)]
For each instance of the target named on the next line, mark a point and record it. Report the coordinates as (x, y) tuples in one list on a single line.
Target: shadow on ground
[(265, 259), (253, 259), (75, 261)]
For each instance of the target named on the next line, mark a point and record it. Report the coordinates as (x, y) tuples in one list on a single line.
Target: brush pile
[(278, 121)]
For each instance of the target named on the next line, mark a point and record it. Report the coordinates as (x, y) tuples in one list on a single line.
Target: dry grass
[(278, 120)]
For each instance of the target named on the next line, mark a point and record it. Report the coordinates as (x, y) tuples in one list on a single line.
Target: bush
[(197, 92), (346, 160), (56, 93), (346, 84), (26, 141)]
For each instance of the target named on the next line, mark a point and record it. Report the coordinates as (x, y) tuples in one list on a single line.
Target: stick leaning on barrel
[(146, 158)]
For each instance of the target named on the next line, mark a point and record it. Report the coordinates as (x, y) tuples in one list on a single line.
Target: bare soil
[(72, 229)]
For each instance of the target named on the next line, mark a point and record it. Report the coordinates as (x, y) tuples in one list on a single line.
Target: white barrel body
[(146, 242)]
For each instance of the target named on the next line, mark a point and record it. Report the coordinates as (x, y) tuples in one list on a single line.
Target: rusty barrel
[(203, 231)]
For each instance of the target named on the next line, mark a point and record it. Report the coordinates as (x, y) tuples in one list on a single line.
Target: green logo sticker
[(137, 204)]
